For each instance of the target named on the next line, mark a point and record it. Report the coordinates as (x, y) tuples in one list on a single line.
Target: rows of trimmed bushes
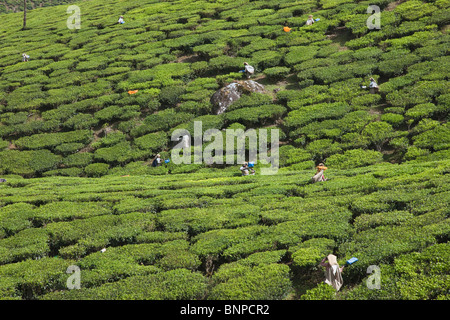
[(225, 234)]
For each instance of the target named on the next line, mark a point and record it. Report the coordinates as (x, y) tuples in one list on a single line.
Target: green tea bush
[(256, 45), (68, 148), (62, 210), (16, 217), (257, 115), (197, 231), (315, 112), (300, 54), (169, 96), (3, 144), (163, 120), (67, 172), (78, 160), (32, 278), (121, 152), (154, 142), (323, 291), (266, 59), (48, 140), (28, 163), (109, 139), (354, 158), (392, 66), (254, 99), (428, 285), (386, 242), (159, 286), (413, 10), (367, 221), (26, 244), (378, 133), (108, 114), (437, 138), (263, 282), (276, 73), (323, 148), (214, 242), (208, 51), (96, 169), (224, 64), (394, 119)]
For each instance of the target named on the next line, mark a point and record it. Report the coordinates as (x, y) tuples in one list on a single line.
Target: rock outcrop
[(229, 94)]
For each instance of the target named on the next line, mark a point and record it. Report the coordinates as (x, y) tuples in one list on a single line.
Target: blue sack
[(251, 164), (316, 19), (167, 160), (352, 260)]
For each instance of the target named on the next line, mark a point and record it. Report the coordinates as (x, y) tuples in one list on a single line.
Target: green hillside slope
[(9, 6), (76, 147), (60, 105), (221, 236)]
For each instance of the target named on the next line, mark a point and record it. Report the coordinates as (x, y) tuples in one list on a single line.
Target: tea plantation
[(77, 140)]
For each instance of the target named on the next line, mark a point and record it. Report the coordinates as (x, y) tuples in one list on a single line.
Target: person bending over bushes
[(157, 161), (319, 174), (333, 273), (248, 70), (373, 86), (246, 169)]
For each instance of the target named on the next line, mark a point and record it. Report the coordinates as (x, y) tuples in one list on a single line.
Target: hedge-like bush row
[(99, 74), (72, 111), (235, 230)]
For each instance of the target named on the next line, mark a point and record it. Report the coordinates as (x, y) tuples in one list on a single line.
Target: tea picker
[(319, 173), (373, 86), (25, 57), (248, 70), (247, 168), (333, 274), (156, 162)]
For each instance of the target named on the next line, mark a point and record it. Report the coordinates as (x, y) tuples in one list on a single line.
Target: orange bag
[(286, 29), (133, 91)]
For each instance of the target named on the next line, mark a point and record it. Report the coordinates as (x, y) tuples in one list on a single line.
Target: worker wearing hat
[(333, 273)]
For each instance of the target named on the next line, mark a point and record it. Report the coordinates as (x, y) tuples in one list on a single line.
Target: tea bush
[(76, 141), (27, 163), (264, 282), (48, 140), (28, 243), (96, 169), (160, 286)]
